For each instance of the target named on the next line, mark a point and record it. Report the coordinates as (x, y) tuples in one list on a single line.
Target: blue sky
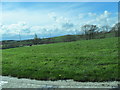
[(52, 18)]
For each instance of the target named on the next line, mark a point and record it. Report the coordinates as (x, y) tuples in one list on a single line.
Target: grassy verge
[(85, 60)]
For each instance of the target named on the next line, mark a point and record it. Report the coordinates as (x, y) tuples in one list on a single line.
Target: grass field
[(84, 60)]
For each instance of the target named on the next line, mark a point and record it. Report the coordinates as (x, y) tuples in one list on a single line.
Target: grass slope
[(85, 60)]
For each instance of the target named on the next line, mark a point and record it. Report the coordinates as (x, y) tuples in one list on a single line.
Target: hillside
[(66, 38), (84, 60)]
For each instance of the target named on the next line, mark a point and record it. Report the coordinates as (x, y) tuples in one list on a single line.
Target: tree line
[(89, 32)]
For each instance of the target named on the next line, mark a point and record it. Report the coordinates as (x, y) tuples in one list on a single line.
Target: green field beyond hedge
[(84, 60)]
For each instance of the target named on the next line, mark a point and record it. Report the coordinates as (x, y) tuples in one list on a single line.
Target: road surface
[(12, 82)]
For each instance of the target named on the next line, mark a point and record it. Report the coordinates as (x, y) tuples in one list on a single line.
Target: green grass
[(85, 60)]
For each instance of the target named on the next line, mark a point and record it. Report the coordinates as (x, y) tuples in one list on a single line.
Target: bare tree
[(20, 39), (116, 29), (36, 39), (89, 31), (105, 28)]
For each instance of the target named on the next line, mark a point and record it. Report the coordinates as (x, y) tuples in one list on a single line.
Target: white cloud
[(92, 14), (15, 29), (60, 26), (33, 18), (102, 19), (52, 15), (81, 15)]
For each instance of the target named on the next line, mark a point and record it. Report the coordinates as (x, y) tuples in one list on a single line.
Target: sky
[(50, 19)]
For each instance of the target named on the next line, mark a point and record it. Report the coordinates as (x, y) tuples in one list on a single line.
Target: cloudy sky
[(49, 19)]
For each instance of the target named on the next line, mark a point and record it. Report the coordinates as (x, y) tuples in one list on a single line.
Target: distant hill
[(67, 38)]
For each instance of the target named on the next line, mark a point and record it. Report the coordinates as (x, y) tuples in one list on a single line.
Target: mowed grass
[(85, 60)]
